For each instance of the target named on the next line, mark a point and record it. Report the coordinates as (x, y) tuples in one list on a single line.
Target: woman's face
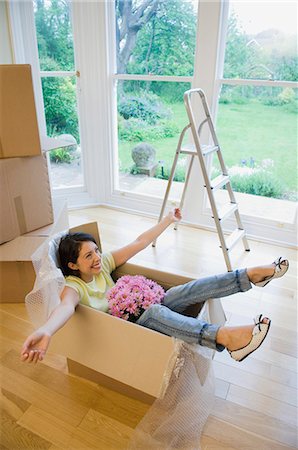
[(88, 262)]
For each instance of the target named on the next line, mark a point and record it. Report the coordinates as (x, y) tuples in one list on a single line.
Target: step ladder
[(223, 180)]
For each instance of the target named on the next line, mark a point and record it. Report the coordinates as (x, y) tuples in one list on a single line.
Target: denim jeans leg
[(194, 331), (180, 297)]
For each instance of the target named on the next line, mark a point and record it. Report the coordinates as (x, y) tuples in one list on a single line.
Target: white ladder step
[(226, 210), (207, 149), (234, 238), (190, 149), (219, 182)]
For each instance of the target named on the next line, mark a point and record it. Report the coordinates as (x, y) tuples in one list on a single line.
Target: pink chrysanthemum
[(132, 295)]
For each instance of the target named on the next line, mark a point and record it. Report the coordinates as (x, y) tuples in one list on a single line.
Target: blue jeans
[(166, 318)]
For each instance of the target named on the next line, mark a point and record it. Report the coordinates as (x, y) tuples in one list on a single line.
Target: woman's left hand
[(175, 215)]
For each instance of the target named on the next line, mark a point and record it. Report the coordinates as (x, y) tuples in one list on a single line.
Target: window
[(118, 100), (59, 87), (155, 48), (257, 114)]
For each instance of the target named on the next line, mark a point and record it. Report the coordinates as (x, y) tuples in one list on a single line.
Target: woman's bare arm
[(125, 253), (36, 345)]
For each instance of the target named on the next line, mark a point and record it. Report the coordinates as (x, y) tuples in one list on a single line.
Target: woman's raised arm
[(36, 345), (125, 253)]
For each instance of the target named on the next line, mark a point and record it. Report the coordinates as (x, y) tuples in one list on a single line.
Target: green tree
[(54, 34), (241, 56), (166, 43), (55, 46)]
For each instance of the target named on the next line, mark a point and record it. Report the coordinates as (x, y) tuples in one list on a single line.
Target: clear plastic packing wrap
[(49, 282), (177, 418)]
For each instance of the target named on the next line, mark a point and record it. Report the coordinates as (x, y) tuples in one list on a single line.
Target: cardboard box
[(17, 274), (19, 132), (25, 196), (118, 354)]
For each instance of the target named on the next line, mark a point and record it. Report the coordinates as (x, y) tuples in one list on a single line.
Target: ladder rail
[(223, 180), (185, 186), (171, 177)]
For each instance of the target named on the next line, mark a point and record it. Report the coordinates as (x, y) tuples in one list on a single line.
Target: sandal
[(258, 335), (281, 266)]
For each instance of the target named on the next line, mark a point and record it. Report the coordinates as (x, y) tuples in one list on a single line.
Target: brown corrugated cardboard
[(17, 275), (121, 355), (25, 196), (118, 354), (19, 133)]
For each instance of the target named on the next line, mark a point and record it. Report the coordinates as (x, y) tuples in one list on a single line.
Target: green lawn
[(245, 131)]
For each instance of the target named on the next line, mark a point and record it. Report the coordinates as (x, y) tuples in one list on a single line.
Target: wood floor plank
[(85, 394), (115, 432), (255, 383), (238, 438), (15, 437), (221, 388), (82, 440), (13, 323), (264, 404), (255, 422), (208, 443), (46, 399), (262, 368), (47, 426), (12, 404)]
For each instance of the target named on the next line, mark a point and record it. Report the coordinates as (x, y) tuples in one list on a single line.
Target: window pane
[(54, 35), (151, 117), (257, 131), (262, 41), (59, 95), (158, 38)]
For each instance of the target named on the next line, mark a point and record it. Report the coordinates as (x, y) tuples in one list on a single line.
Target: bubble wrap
[(177, 418), (49, 281)]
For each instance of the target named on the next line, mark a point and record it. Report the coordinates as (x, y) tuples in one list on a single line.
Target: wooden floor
[(43, 407)]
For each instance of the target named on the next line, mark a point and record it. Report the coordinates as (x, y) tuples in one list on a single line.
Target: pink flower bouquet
[(132, 295)]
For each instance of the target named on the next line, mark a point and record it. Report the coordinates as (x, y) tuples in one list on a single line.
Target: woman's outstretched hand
[(35, 347), (175, 215)]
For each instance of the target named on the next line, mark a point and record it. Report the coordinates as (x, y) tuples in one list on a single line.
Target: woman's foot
[(260, 276), (241, 341)]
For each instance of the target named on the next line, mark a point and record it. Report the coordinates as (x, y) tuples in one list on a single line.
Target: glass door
[(155, 48), (59, 86), (257, 113)]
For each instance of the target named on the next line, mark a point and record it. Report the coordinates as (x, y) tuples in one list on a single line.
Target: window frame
[(92, 24)]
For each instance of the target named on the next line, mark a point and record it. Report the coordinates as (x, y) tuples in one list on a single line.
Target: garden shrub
[(165, 171), (136, 130), (259, 182), (61, 155), (144, 106)]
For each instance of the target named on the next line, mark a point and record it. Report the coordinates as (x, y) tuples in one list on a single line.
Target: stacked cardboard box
[(25, 193)]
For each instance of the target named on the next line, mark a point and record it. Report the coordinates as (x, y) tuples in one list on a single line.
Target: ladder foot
[(247, 249)]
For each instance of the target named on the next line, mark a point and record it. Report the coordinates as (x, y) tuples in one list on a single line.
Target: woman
[(88, 280)]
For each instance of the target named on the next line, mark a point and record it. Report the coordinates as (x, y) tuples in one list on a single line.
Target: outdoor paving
[(69, 175)]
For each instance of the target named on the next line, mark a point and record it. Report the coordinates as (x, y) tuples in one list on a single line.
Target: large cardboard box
[(121, 355), (17, 274), (19, 132), (25, 196)]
